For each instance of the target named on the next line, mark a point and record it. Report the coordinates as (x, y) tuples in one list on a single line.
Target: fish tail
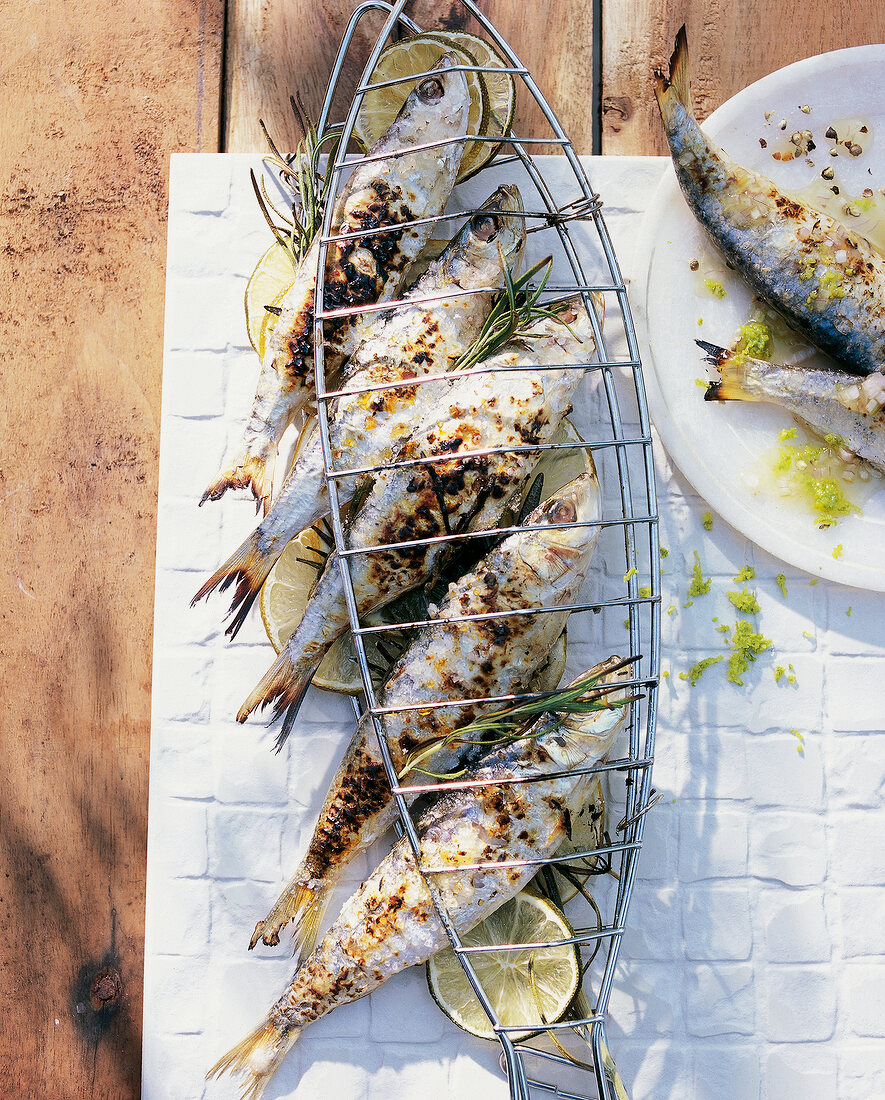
[(731, 385), (301, 903), (286, 682), (675, 89), (253, 472), (256, 1058), (249, 566)]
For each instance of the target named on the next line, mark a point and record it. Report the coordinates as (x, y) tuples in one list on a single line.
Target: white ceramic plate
[(718, 446)]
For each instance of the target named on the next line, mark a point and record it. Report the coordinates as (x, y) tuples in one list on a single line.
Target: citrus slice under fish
[(417, 55), (273, 275), (284, 597), (532, 986), (285, 593), (501, 90)]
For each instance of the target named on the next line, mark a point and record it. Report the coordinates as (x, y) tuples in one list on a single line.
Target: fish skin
[(449, 660), (358, 271), (828, 282), (417, 340), (827, 402), (390, 923), (498, 407)]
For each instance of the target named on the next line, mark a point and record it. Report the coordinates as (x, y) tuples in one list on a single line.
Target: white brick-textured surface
[(753, 964)]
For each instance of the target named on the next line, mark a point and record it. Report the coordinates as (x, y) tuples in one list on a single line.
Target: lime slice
[(501, 92), (287, 589), (534, 986), (403, 60), (284, 597), (273, 275)]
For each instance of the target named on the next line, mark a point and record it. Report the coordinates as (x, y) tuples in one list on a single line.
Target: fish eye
[(484, 226), (430, 90), (561, 511)]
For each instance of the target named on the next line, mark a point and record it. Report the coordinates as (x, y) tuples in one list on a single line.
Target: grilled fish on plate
[(827, 281), (828, 402)]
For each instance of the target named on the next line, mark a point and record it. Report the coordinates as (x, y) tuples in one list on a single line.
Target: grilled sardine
[(460, 657), (370, 420), (391, 922), (378, 195), (828, 282)]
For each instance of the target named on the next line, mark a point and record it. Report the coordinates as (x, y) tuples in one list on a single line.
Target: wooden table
[(96, 97)]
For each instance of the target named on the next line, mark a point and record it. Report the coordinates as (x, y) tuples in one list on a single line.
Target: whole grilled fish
[(379, 194), (391, 921), (462, 658), (828, 282), (368, 426), (829, 403), (509, 405)]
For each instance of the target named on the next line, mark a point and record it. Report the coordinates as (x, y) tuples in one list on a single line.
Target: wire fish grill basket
[(620, 614)]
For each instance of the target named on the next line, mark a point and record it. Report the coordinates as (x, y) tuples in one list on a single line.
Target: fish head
[(493, 239), (559, 551), (437, 107), (590, 735)]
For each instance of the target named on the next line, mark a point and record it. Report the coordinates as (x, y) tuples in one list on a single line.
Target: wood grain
[(274, 51), (95, 97), (731, 45)]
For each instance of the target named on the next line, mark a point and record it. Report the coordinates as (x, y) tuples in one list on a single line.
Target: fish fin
[(286, 681), (256, 1058), (675, 89), (302, 903), (249, 567), (253, 472), (715, 353), (732, 374)]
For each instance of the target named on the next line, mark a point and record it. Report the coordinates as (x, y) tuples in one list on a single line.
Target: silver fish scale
[(572, 229)]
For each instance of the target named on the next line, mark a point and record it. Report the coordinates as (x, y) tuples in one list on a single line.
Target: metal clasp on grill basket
[(622, 610)]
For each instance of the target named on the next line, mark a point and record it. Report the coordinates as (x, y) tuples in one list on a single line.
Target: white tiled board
[(755, 962)]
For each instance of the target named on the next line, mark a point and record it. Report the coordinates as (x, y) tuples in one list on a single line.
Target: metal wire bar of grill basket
[(630, 579)]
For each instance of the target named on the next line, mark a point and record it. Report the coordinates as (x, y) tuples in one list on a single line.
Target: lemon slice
[(287, 589), (417, 55), (501, 91), (273, 275), (284, 597), (534, 986)]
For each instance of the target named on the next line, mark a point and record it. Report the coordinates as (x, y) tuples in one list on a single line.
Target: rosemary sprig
[(301, 174), (514, 312), (581, 697)]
